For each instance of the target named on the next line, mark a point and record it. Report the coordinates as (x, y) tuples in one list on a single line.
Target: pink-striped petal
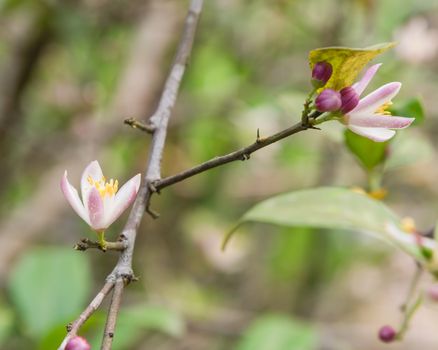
[(96, 210), (362, 84), (375, 134), (123, 199), (377, 98), (72, 196), (94, 171), (379, 121)]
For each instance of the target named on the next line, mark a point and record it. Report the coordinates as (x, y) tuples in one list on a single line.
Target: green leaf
[(6, 322), (49, 286), (278, 332), (412, 108), (329, 208), (369, 153), (135, 321), (347, 62)]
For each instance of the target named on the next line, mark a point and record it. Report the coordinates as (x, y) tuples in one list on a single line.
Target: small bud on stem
[(349, 98), (328, 100), (387, 334), (321, 73)]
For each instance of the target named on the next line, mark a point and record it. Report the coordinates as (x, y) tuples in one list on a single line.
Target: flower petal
[(72, 196), (375, 134), (93, 169), (96, 210), (123, 199), (377, 98), (361, 85), (379, 121)]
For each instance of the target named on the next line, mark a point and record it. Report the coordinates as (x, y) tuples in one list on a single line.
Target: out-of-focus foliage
[(134, 322), (42, 305), (278, 332), (248, 71)]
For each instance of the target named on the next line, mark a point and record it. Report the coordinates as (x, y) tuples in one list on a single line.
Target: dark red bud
[(77, 343), (432, 292), (321, 73), (328, 100), (387, 334), (349, 98)]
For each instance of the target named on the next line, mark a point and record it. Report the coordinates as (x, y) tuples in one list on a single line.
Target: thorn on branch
[(146, 127), (259, 139), (150, 211)]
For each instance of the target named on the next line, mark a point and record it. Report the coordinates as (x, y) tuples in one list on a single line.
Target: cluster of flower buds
[(330, 100), (362, 116)]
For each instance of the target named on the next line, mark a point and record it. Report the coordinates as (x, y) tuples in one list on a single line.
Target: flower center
[(383, 109), (105, 188)]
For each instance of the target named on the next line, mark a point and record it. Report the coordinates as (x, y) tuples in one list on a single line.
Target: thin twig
[(73, 328), (86, 243), (122, 272), (160, 120), (113, 312), (241, 154)]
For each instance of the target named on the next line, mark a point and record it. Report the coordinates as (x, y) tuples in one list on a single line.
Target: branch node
[(152, 186), (245, 156), (148, 127)]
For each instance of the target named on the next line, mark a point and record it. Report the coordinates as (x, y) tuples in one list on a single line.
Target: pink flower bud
[(77, 343), (432, 292), (321, 73), (328, 100), (349, 98), (387, 334)]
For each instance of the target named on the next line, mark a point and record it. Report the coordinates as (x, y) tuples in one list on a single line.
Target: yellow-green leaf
[(347, 62)]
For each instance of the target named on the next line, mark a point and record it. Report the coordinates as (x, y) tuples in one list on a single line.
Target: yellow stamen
[(408, 224), (383, 109), (105, 188)]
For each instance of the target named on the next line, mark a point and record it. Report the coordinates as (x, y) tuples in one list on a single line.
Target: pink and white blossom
[(369, 117), (101, 202)]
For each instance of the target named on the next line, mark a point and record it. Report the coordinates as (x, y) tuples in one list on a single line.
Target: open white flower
[(101, 202), (369, 117)]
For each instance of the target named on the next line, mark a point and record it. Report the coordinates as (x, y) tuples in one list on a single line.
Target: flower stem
[(307, 108), (324, 118), (374, 180), (101, 239), (409, 313)]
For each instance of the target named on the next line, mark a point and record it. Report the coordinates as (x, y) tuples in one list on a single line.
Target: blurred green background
[(71, 71)]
